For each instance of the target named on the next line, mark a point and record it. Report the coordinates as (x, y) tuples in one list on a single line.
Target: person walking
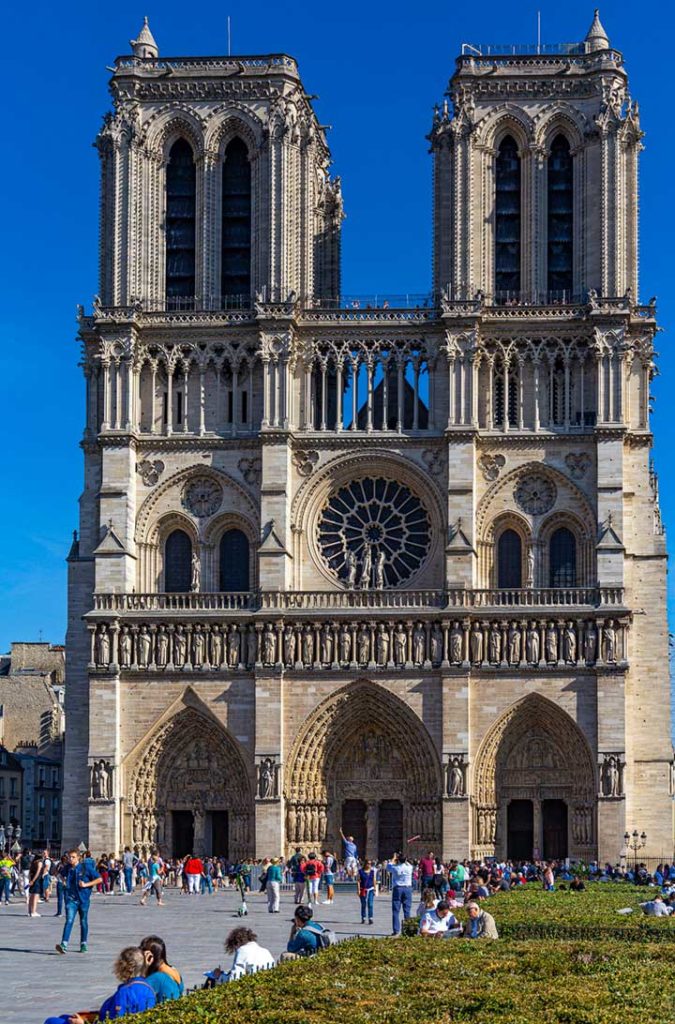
[(313, 872), (193, 872), (61, 876), (401, 871), (329, 865), (274, 878), (128, 862), (154, 883), (35, 883), (80, 880), (299, 879), (366, 890), (6, 868)]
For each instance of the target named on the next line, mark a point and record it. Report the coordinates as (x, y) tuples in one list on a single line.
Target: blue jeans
[(60, 897), (367, 904), (73, 908), (401, 898), (5, 889), (128, 879)]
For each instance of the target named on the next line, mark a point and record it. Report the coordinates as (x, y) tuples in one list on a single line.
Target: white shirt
[(249, 955), (433, 924), (401, 874)]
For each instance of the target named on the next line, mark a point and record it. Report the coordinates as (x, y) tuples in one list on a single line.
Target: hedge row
[(438, 982)]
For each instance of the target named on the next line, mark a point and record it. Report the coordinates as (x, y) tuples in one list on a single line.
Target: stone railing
[(363, 600), (370, 644)]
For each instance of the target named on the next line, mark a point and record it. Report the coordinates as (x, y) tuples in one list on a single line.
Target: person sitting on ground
[(164, 980), (577, 885), (438, 922), (249, 956), (656, 907), (304, 937), (481, 924), (428, 902), (133, 995)]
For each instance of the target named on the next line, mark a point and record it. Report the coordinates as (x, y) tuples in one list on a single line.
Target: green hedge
[(437, 982)]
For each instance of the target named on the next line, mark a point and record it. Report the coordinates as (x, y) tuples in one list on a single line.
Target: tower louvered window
[(236, 228), (507, 220), (180, 226), (560, 219)]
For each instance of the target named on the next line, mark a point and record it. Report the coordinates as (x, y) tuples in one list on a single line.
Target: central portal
[(183, 833), (520, 830)]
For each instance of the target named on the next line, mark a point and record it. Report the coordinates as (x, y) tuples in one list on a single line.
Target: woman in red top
[(194, 869)]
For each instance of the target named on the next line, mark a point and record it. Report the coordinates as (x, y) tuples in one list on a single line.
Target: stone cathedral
[(392, 566)]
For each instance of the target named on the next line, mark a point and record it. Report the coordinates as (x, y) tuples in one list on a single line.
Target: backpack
[(325, 938), (310, 869)]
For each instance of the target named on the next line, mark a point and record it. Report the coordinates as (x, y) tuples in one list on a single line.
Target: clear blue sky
[(378, 69)]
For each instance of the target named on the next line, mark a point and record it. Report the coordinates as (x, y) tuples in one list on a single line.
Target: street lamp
[(635, 841)]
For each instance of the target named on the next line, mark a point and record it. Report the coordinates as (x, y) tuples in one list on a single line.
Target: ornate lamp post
[(635, 841)]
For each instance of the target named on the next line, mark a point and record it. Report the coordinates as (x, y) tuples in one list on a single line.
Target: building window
[(180, 226), (507, 220), (509, 561), (234, 561), (2, 788), (41, 775), (177, 562), (55, 778), (12, 787), (563, 559), (236, 226), (560, 219), (12, 813), (42, 804)]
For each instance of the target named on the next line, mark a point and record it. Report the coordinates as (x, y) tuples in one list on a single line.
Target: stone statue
[(436, 645), (456, 644), (216, 644), (455, 778), (609, 642), (144, 646), (269, 646), (161, 648), (267, 774), (291, 821), (363, 644), (382, 645), (494, 645), (590, 643), (514, 644), (101, 775), (532, 644), (400, 646), (352, 570), (418, 644), (102, 652), (196, 573), (308, 647), (366, 568), (125, 647), (476, 645), (233, 647), (198, 646), (251, 647), (551, 643), (179, 647), (345, 645), (570, 644), (379, 570), (530, 566), (289, 646), (610, 776), (326, 646)]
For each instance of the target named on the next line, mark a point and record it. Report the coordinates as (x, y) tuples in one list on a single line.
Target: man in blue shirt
[(304, 936), (80, 878), (351, 854)]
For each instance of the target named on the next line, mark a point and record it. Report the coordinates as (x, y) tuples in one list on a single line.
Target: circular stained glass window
[(374, 533)]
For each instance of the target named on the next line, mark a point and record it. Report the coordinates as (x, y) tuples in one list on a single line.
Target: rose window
[(374, 533), (535, 494)]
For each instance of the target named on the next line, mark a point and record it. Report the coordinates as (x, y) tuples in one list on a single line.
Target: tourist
[(273, 887), (6, 868), (299, 878), (440, 880), (329, 865), (351, 854), (366, 889), (207, 877), (193, 869), (61, 875), (427, 866), (401, 871), (548, 879), (128, 864), (133, 995), (80, 880), (304, 937), (35, 876), (481, 924), (656, 907), (154, 882), (313, 872), (438, 922), (249, 956), (164, 980), (577, 885), (428, 902)]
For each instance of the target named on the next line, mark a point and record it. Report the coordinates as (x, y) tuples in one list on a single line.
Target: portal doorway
[(219, 834), (183, 833), (554, 822), (354, 823), (389, 828), (520, 830)]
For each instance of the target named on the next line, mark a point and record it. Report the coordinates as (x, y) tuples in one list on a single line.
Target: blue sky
[(378, 69)]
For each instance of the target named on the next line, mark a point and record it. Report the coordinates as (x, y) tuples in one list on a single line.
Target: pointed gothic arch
[(535, 752), (362, 744), (189, 764)]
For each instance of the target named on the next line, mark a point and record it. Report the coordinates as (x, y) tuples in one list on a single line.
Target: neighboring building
[(11, 788), (32, 683), (345, 563)]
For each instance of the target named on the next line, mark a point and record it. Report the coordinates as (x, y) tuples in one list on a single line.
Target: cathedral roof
[(596, 37), (145, 45)]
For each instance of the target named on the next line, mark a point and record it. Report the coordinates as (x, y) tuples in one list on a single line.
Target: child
[(133, 994)]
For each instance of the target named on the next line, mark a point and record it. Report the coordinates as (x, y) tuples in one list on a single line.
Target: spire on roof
[(596, 37), (145, 45)]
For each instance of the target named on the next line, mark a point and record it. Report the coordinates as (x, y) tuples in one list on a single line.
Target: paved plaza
[(37, 981)]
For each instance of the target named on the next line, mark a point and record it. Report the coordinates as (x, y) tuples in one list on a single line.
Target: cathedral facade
[(396, 568)]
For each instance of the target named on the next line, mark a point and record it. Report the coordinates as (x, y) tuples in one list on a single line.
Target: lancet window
[(507, 220), (560, 220), (177, 562), (234, 561), (180, 226), (236, 226), (563, 559), (509, 560)]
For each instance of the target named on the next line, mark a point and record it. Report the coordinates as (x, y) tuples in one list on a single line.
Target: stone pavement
[(37, 982)]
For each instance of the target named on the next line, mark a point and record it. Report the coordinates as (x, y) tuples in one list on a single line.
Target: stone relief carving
[(196, 580), (150, 471), (582, 826), (433, 461), (100, 780), (491, 465), (250, 469), (268, 779), (535, 494), (455, 776), (202, 496), (577, 463), (305, 461)]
